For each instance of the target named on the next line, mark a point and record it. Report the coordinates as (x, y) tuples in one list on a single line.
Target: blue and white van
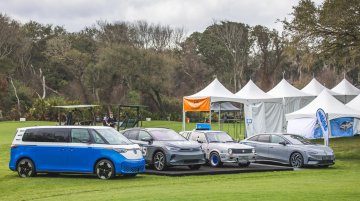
[(74, 149)]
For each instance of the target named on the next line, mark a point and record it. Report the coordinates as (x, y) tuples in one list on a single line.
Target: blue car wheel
[(215, 160)]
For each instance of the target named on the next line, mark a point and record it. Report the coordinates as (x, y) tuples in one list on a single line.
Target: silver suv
[(220, 148)]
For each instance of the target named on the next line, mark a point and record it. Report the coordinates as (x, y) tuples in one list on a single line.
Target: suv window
[(46, 135), (143, 134), (264, 138), (80, 135), (131, 134), (276, 139)]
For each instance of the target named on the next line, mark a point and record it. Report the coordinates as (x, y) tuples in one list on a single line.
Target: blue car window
[(79, 135)]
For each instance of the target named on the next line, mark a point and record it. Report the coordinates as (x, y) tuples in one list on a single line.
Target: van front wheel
[(26, 168), (104, 169)]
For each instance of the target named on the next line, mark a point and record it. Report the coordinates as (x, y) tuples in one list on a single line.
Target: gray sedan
[(294, 150), (164, 147)]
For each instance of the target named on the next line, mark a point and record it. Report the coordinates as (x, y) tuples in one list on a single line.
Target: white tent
[(216, 92), (261, 111), (346, 90), (355, 105), (314, 88), (303, 121), (293, 98)]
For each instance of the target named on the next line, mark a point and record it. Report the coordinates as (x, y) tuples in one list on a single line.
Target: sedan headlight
[(253, 151), (230, 151), (312, 152), (172, 148), (120, 150)]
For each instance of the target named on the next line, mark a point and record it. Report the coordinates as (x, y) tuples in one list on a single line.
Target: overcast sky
[(193, 15)]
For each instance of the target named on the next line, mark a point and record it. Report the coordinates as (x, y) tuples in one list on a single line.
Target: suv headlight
[(172, 148), (120, 150), (230, 151)]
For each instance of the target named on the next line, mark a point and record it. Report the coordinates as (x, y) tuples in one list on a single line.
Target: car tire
[(194, 167), (296, 160), (215, 160), (159, 161), (104, 169), (244, 164), (26, 168)]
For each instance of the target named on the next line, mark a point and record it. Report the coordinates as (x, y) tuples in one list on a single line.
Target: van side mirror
[(283, 143)]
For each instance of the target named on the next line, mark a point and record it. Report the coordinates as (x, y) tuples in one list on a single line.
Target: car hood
[(316, 147), (233, 145), (182, 144)]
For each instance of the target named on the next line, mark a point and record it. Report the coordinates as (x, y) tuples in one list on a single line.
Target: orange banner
[(197, 105)]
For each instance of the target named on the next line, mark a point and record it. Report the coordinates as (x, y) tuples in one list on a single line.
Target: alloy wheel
[(159, 161), (26, 168), (104, 169), (296, 160)]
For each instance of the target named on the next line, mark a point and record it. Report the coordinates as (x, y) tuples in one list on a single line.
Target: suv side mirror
[(283, 143), (147, 139)]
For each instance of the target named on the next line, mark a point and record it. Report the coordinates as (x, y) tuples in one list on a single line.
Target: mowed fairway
[(339, 182)]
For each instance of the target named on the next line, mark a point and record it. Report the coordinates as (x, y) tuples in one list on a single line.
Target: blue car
[(74, 149)]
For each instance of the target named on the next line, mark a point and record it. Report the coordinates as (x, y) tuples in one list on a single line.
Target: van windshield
[(113, 137)]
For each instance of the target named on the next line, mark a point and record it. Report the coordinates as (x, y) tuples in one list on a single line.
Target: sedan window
[(276, 139), (296, 139), (218, 137), (254, 138), (264, 138)]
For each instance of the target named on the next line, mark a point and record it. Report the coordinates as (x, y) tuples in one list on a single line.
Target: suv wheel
[(159, 161), (26, 168), (215, 160), (104, 169)]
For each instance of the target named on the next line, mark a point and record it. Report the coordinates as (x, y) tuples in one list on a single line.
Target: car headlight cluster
[(120, 150), (172, 148), (253, 151), (230, 151)]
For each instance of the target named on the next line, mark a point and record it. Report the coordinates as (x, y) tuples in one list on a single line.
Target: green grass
[(339, 182)]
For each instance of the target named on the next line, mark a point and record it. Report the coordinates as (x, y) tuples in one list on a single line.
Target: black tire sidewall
[(32, 165), (112, 167)]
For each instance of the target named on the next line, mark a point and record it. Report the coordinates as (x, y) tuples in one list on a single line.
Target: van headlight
[(120, 150), (230, 151)]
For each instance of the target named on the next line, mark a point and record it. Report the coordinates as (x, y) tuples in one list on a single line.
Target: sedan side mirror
[(283, 143), (199, 141)]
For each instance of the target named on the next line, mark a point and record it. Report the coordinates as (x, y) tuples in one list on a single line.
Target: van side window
[(46, 135), (80, 135), (97, 138)]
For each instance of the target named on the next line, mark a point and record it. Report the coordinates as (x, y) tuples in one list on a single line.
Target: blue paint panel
[(340, 127)]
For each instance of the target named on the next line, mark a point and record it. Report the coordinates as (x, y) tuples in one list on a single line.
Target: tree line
[(156, 65)]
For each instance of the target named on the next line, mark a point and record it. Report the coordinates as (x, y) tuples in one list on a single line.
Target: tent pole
[(219, 116), (183, 120)]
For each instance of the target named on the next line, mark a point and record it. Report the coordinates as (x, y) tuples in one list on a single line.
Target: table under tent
[(262, 112), (355, 105), (340, 116), (345, 91)]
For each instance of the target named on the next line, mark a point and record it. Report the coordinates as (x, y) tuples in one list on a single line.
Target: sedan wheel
[(159, 161), (104, 169), (215, 160), (26, 168), (296, 160)]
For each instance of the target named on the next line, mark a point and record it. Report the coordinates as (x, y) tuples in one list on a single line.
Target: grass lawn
[(339, 182)]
